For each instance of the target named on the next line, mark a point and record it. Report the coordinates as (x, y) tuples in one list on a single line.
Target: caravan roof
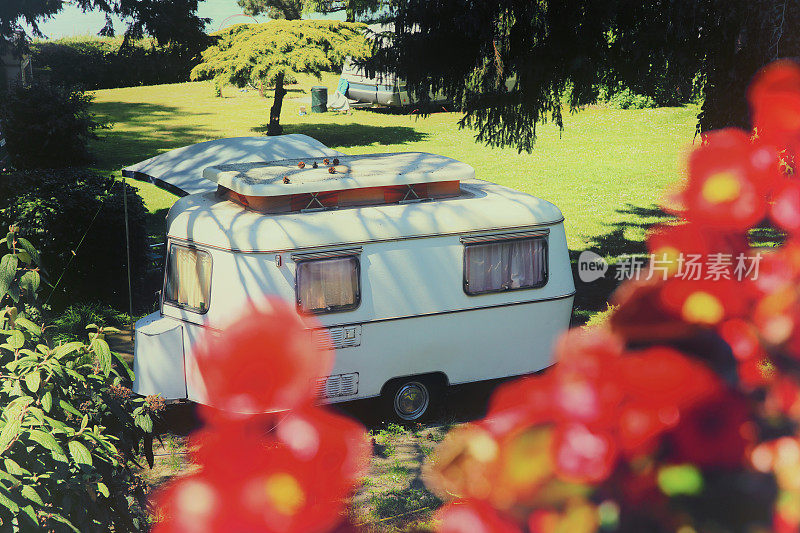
[(180, 171), (213, 221), (297, 176)]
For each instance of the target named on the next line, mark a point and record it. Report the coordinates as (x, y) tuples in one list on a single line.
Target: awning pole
[(128, 250)]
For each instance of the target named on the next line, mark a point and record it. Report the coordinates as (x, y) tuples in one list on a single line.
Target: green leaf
[(144, 422), (47, 440), (31, 494), (103, 352), (123, 364), (33, 380), (6, 502), (9, 433), (16, 340), (24, 323), (13, 468), (30, 514), (59, 518), (8, 269), (66, 406), (102, 489), (80, 453), (32, 252), (66, 349), (683, 479), (47, 401), (29, 282)]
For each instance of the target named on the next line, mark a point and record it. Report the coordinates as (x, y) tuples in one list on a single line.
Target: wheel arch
[(437, 378)]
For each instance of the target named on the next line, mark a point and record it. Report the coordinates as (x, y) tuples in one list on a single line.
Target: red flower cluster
[(683, 381), (282, 472)]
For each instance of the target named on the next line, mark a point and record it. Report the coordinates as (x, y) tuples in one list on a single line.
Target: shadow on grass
[(593, 297), (157, 128), (352, 134)]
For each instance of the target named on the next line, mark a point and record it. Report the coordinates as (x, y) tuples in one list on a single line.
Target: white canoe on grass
[(180, 171)]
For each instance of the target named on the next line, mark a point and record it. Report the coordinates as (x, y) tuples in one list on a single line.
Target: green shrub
[(76, 210), (627, 99), (71, 324), (46, 125), (69, 429), (102, 62)]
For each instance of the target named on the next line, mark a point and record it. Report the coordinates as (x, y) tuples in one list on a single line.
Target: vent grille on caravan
[(337, 386), (293, 185), (335, 338)]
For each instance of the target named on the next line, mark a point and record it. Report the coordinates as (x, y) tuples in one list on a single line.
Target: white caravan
[(421, 275)]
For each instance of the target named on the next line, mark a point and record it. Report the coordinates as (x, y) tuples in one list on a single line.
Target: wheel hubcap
[(411, 401)]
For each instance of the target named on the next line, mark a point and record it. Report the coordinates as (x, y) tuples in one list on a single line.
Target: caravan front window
[(505, 265), (328, 285), (188, 283)]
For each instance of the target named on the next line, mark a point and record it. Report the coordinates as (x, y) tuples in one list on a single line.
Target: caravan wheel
[(410, 400)]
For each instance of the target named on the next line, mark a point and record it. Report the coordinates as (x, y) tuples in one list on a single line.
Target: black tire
[(411, 399)]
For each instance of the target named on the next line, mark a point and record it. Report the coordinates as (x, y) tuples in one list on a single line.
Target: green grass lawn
[(606, 170)]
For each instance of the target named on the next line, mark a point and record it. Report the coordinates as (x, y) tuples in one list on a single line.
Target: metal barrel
[(319, 99)]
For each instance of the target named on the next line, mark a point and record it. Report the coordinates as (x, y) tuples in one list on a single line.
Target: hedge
[(101, 63)]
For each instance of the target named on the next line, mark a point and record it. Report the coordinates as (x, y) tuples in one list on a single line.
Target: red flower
[(659, 383), (263, 362), (584, 388), (706, 302), (520, 403), (334, 443), (583, 455), (714, 434), (785, 209), (472, 516), (774, 99), (729, 178), (296, 480)]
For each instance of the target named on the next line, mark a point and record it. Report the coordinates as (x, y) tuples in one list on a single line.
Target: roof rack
[(292, 185)]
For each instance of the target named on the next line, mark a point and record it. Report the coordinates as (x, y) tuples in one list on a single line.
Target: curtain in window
[(506, 265), (327, 284), (189, 282)]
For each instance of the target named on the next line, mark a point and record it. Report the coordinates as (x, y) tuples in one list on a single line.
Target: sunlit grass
[(606, 170)]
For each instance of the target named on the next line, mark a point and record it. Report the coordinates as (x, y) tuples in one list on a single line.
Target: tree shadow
[(625, 237), (352, 134), (156, 129)]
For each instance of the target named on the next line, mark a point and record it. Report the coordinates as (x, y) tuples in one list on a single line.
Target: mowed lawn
[(606, 170)]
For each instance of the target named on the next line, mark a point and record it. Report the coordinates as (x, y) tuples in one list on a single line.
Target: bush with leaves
[(76, 210), (69, 428), (46, 125), (103, 63)]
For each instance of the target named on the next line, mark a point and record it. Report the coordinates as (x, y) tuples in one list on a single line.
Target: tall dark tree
[(274, 9), (168, 21), (294, 9), (512, 64)]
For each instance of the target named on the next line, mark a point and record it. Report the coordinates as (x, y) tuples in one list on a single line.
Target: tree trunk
[(274, 127)]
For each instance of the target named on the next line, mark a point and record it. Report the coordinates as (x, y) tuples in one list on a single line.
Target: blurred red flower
[(715, 434), (774, 97), (264, 362), (472, 516), (729, 177)]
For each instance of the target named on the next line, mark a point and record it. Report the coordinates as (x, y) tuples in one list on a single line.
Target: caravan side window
[(328, 285), (505, 265), (188, 282)]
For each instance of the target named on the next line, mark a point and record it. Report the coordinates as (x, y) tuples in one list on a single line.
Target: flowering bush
[(69, 428), (679, 412)]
